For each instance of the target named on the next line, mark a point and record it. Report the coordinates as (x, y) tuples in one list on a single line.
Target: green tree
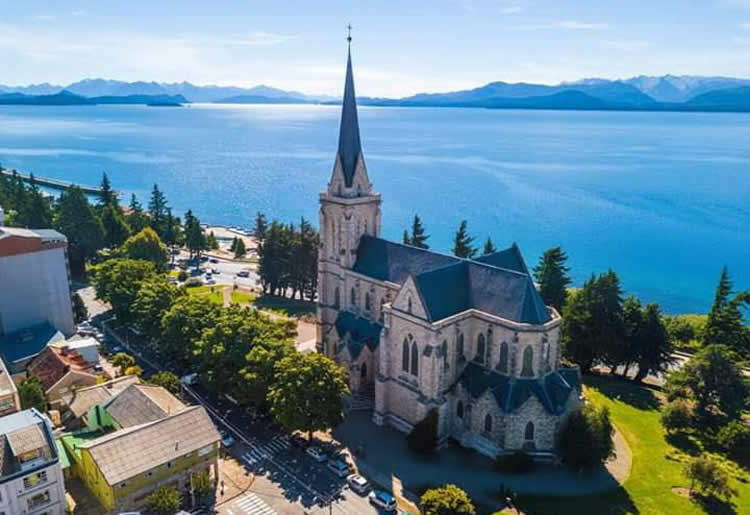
[(725, 324), (123, 361), (118, 281), (195, 239), (202, 483), (240, 250), (489, 247), (167, 380), (211, 242), (676, 416), (182, 327), (261, 226), (652, 346), (462, 242), (78, 222), (115, 227), (137, 220), (157, 210), (36, 212), (405, 239), (446, 500), (134, 370), (154, 298), (164, 500), (552, 275), (31, 394), (418, 237), (734, 439), (585, 440), (80, 313), (708, 477), (307, 393), (147, 246), (107, 196)]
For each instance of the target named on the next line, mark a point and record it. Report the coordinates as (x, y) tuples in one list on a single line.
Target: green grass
[(285, 306), (657, 465), (241, 297)]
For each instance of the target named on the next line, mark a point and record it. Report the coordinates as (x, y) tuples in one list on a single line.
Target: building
[(20, 347), (31, 478), (34, 271), (419, 330), (9, 400), (61, 370), (81, 402)]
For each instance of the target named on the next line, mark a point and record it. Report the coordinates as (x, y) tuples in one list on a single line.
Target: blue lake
[(662, 198)]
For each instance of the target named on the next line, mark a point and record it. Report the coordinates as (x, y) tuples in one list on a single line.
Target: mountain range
[(664, 93)]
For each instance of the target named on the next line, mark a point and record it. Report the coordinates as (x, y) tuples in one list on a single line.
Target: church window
[(382, 313), (488, 423), (528, 434), (445, 355), (528, 358), (460, 409), (367, 302), (339, 190), (359, 190), (353, 298), (336, 297), (414, 359), (363, 371), (460, 345), (405, 356), (408, 304), (481, 348), (503, 364)]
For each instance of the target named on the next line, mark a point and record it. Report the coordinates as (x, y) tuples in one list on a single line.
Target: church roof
[(361, 332), (350, 146), (388, 261), (509, 258), (552, 390)]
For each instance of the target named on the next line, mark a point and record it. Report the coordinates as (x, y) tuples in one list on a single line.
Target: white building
[(31, 477), (34, 280)]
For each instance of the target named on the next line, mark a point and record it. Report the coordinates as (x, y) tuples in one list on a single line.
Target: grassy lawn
[(285, 306), (657, 465), (241, 297)]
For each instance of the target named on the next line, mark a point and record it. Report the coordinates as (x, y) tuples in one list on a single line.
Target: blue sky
[(399, 48)]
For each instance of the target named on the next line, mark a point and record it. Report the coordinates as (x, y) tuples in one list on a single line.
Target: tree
[(239, 250), (154, 298), (552, 275), (202, 484), (80, 312), (418, 237), (164, 500), (585, 440), (147, 246), (31, 394), (167, 380), (260, 227), (134, 370), (78, 222), (725, 324), (489, 247), (423, 437), (676, 416), (136, 218), (182, 327), (157, 209), (446, 500), (405, 239), (307, 393), (734, 439), (713, 381), (118, 281), (107, 196), (211, 242), (36, 211), (195, 239), (652, 346), (123, 361), (115, 227), (709, 477), (462, 242)]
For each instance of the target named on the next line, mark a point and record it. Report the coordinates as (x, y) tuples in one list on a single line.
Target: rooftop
[(22, 433), (83, 399), (54, 362), (141, 403), (28, 342)]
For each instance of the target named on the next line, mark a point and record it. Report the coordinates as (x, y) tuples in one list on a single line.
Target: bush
[(517, 463), (164, 500), (423, 438), (676, 416), (446, 500), (706, 474), (734, 439), (585, 441)]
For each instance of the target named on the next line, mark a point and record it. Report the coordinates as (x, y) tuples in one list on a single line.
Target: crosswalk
[(250, 504), (258, 453)]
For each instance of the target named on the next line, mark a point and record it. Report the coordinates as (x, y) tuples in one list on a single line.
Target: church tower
[(349, 208)]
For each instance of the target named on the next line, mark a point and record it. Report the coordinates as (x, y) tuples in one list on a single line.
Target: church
[(418, 330)]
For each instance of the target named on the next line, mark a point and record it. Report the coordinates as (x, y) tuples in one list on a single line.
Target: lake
[(662, 198)]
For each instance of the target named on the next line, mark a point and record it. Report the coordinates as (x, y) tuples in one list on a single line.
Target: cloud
[(515, 9), (262, 39), (626, 45), (745, 25), (565, 24), (78, 13), (45, 17), (737, 40)]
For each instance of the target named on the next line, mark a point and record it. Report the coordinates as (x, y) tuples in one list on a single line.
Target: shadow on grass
[(624, 390), (290, 307), (611, 502), (713, 505), (685, 442)]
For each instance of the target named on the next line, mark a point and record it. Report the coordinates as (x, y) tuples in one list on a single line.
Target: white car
[(383, 500), (358, 483), (226, 439), (317, 454)]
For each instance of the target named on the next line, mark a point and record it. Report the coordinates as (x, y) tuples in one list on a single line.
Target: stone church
[(418, 330)]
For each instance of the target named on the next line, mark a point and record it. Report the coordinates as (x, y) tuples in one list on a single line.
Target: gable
[(407, 293)]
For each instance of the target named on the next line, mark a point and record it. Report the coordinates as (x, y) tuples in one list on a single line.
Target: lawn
[(657, 465), (286, 306)]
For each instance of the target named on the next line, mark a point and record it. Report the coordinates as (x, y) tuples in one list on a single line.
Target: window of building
[(414, 359), (460, 345), (123, 485), (460, 409), (353, 298), (503, 363), (33, 480), (363, 372), (481, 348), (405, 356), (37, 500), (336, 297), (367, 302), (528, 358), (445, 354), (488, 423), (408, 304), (528, 434)]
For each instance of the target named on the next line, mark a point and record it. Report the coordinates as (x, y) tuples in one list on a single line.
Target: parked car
[(213, 260), (243, 273), (317, 454), (339, 467), (298, 440), (383, 500), (358, 483), (226, 438), (215, 271)]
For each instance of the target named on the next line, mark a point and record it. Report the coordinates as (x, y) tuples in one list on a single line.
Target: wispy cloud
[(514, 9), (745, 25), (565, 25), (626, 45), (45, 17), (263, 39)]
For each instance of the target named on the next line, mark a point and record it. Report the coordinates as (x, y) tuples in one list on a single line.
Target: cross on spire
[(349, 37)]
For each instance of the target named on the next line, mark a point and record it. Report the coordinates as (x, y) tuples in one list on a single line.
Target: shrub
[(517, 463), (586, 439), (164, 500), (446, 500), (706, 474), (423, 437), (734, 439), (676, 416)]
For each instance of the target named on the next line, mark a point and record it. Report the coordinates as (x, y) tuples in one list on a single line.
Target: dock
[(51, 183)]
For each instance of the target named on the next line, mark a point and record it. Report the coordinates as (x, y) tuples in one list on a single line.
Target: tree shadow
[(685, 442), (614, 501), (623, 390), (714, 506)]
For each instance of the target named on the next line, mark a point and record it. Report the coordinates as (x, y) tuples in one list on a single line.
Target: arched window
[(367, 302), (460, 345), (528, 358), (408, 304), (445, 354), (363, 371), (382, 313), (488, 423), (336, 297), (339, 189), (528, 434), (414, 359), (481, 348), (460, 409), (405, 356), (353, 298), (503, 364)]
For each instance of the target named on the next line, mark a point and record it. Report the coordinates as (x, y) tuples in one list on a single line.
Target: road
[(227, 271)]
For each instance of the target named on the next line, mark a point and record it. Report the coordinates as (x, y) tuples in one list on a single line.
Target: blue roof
[(349, 144), (509, 258), (361, 331), (28, 342)]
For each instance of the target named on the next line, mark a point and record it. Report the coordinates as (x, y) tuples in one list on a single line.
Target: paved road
[(227, 269)]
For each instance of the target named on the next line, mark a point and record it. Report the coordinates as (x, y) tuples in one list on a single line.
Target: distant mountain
[(734, 99), (139, 99), (260, 99), (32, 89), (673, 88), (67, 98)]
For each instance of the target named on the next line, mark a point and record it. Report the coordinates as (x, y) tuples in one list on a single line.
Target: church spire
[(349, 144)]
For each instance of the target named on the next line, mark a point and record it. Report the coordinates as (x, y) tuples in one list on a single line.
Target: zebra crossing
[(250, 504), (258, 453)]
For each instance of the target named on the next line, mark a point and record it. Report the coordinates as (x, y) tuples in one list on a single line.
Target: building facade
[(419, 330), (31, 480)]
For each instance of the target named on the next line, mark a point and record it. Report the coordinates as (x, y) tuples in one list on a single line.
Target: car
[(213, 260), (117, 348), (298, 440), (339, 467), (383, 500), (243, 273), (211, 281), (226, 439), (215, 271), (317, 454), (358, 483), (204, 259), (173, 280)]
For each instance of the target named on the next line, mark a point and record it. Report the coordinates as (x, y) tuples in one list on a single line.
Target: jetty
[(51, 183)]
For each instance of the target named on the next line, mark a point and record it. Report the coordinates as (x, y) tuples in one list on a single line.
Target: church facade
[(419, 330)]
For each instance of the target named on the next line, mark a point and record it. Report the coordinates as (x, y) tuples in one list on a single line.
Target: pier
[(51, 183)]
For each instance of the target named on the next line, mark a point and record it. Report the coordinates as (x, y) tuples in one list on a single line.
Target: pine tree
[(489, 247), (261, 226), (107, 196), (725, 324), (137, 219), (418, 237), (78, 222), (654, 349), (240, 250), (37, 211), (406, 239), (462, 243), (116, 230), (157, 208), (552, 276)]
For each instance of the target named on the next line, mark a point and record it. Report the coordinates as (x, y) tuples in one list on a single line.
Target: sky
[(399, 48)]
